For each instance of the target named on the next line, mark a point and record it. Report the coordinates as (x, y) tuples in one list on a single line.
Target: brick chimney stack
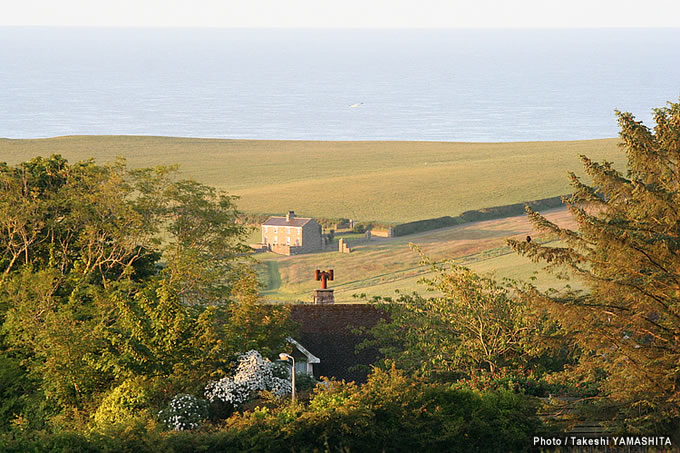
[(323, 295), (290, 216)]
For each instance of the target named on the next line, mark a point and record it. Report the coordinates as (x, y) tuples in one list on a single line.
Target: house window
[(288, 230), (297, 242), (276, 240), (300, 367), (276, 230), (288, 240)]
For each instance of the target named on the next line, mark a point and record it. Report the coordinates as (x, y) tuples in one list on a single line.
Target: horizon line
[(187, 137), (216, 27)]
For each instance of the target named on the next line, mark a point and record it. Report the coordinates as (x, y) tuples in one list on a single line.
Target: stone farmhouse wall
[(311, 237)]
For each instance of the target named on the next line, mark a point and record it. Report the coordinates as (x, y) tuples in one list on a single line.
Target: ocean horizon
[(476, 85)]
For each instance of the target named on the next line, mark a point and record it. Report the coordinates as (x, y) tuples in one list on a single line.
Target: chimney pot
[(290, 215)]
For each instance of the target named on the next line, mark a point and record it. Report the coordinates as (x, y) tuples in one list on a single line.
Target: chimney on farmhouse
[(290, 216)]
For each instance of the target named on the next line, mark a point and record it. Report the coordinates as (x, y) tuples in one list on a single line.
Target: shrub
[(13, 384), (361, 227), (184, 412), (129, 401), (254, 374), (392, 412)]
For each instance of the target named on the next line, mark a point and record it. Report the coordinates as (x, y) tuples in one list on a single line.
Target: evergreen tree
[(627, 251)]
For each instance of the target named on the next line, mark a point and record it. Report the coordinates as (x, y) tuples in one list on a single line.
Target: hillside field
[(381, 266), (382, 181)]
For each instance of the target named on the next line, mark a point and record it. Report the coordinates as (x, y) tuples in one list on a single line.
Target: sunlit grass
[(381, 181)]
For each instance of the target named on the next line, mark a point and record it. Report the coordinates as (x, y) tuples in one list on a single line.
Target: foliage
[(108, 275), (184, 412), (391, 412), (253, 374), (627, 251), (128, 401), (527, 383), (304, 381), (361, 227), (475, 324), (14, 388)]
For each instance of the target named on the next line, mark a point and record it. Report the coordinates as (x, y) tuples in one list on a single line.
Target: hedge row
[(389, 413), (476, 215)]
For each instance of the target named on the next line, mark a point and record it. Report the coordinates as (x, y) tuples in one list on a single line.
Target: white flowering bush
[(254, 374), (184, 412)]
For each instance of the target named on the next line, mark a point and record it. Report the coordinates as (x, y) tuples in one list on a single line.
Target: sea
[(477, 85)]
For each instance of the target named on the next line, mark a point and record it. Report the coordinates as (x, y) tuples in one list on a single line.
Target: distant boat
[(356, 105)]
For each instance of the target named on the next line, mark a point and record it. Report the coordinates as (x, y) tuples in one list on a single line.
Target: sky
[(344, 13)]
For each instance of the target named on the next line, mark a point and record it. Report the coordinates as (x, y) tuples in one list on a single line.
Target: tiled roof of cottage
[(327, 332), (281, 221)]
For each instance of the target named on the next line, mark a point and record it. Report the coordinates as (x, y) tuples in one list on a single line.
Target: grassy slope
[(383, 181), (381, 266)]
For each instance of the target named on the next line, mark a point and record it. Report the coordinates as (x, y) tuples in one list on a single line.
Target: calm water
[(474, 85)]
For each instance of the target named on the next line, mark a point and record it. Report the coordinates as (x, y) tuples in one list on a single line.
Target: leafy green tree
[(627, 251), (109, 274), (475, 323)]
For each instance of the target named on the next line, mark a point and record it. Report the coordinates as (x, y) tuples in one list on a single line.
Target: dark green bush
[(13, 382), (361, 227)]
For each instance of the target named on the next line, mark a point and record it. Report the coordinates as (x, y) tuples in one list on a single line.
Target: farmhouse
[(291, 235)]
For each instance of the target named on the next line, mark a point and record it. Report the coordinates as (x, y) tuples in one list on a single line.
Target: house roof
[(329, 333), (281, 221), (311, 358)]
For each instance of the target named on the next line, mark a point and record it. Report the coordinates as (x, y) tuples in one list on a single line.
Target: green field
[(381, 181), (381, 266)]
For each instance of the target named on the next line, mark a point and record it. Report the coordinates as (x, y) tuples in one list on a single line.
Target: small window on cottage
[(300, 366)]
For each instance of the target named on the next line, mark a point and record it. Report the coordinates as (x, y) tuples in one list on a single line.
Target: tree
[(475, 324), (108, 274), (627, 251)]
